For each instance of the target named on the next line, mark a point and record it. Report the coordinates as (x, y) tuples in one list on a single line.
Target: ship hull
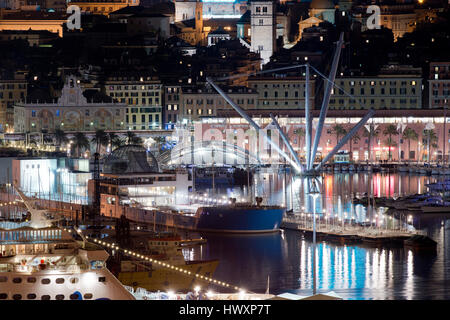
[(165, 279), (239, 220)]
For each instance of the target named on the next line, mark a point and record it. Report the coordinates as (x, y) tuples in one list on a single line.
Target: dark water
[(352, 271)]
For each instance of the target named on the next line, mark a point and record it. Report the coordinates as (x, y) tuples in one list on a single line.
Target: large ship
[(39, 261), (152, 277)]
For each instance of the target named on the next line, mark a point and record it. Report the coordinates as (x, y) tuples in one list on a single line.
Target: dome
[(130, 159), (321, 4)]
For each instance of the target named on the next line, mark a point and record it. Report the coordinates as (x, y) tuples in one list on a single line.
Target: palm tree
[(133, 139), (370, 133), (353, 140), (115, 141), (409, 134), (60, 137), (100, 139), (80, 142), (431, 141), (390, 130), (339, 131)]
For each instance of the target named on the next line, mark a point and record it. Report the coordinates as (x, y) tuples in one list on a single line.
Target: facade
[(143, 97), (11, 91), (439, 85), (281, 93), (34, 38), (172, 105), (34, 20), (103, 7), (323, 10), (198, 102), (144, 22), (211, 9), (396, 87), (72, 112), (263, 28), (402, 148)]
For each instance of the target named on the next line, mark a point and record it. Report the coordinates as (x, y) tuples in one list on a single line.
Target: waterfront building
[(293, 124), (263, 28), (131, 176), (12, 91), (217, 35), (56, 179), (198, 102), (143, 95), (439, 85), (281, 93), (395, 87), (190, 26), (71, 112)]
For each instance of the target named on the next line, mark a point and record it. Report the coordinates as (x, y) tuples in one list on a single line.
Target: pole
[(445, 133), (242, 113), (307, 119), (326, 99)]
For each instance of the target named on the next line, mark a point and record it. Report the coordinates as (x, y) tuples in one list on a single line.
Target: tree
[(339, 131), (409, 134), (60, 137), (133, 139), (390, 130), (353, 140), (431, 141), (80, 143), (100, 139), (115, 141), (370, 133)]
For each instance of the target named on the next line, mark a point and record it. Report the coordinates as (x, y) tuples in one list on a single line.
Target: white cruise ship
[(41, 262)]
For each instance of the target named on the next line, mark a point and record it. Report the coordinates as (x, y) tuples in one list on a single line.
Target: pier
[(349, 233)]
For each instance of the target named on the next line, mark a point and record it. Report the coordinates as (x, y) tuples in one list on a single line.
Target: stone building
[(71, 112)]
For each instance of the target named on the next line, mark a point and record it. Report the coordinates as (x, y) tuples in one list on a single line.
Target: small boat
[(423, 170), (351, 168), (344, 168), (412, 169), (403, 169), (435, 170), (436, 208), (337, 168), (420, 242)]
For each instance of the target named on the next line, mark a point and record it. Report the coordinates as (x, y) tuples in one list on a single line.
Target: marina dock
[(349, 234)]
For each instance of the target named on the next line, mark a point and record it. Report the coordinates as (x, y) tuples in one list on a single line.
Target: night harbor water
[(353, 271)]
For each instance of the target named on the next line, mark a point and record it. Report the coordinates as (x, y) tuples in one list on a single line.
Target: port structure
[(307, 168)]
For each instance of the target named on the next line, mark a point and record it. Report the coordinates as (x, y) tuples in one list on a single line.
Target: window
[(261, 22), (31, 296), (3, 296), (31, 279), (60, 280), (258, 9), (59, 297), (265, 9), (75, 296), (17, 297), (3, 279), (87, 296), (45, 281), (17, 280)]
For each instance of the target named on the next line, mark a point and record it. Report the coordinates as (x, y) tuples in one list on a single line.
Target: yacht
[(39, 261)]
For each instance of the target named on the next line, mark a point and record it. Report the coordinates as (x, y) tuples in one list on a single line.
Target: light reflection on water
[(353, 271)]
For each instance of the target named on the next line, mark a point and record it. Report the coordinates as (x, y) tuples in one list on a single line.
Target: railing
[(10, 267)]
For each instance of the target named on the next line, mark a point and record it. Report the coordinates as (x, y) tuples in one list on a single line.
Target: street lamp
[(314, 192)]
